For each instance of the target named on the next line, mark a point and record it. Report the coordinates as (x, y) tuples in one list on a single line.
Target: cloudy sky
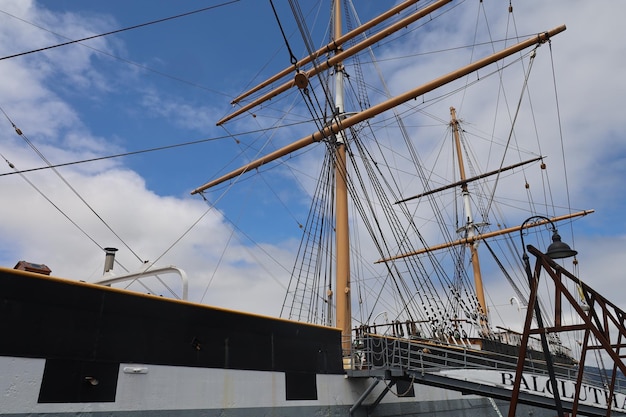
[(167, 84)]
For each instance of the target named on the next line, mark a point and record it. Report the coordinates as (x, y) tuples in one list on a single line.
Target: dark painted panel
[(300, 386), (69, 381)]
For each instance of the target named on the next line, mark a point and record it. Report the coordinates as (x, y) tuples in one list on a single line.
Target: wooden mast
[(336, 131), (470, 227), (343, 307)]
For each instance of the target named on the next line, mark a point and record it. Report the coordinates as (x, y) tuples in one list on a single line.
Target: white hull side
[(186, 391)]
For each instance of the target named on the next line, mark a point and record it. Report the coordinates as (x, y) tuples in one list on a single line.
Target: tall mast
[(335, 130), (469, 227), (344, 309)]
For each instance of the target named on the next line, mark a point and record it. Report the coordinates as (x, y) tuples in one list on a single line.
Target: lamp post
[(556, 250)]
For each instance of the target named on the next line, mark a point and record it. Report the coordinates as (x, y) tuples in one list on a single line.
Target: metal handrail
[(379, 353), (151, 272)]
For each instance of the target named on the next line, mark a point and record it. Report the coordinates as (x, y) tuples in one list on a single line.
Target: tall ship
[(434, 272)]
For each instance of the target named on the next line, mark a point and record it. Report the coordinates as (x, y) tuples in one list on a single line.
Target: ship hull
[(75, 349)]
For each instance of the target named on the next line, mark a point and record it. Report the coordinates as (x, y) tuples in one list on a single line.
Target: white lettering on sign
[(592, 395)]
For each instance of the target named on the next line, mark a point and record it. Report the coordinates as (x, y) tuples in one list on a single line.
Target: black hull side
[(51, 318)]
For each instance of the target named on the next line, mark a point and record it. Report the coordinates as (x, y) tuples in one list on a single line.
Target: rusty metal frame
[(602, 320)]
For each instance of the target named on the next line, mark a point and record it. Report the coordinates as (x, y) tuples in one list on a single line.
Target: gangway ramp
[(463, 368)]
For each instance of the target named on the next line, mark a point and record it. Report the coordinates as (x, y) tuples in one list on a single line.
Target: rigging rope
[(111, 32), (11, 165), (292, 57), (312, 255), (512, 129), (74, 191), (102, 158), (227, 245), (558, 113)]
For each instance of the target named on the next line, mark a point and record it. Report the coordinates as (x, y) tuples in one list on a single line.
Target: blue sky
[(76, 103)]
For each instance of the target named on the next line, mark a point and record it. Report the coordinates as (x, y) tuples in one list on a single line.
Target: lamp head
[(558, 249)]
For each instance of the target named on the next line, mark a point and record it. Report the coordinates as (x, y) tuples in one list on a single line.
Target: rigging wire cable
[(512, 129), (12, 166), (409, 217), (276, 194), (147, 150), (233, 223), (64, 180), (558, 113), (108, 33), (292, 57)]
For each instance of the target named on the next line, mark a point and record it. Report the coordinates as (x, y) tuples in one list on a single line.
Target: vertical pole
[(344, 311), (469, 225)]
